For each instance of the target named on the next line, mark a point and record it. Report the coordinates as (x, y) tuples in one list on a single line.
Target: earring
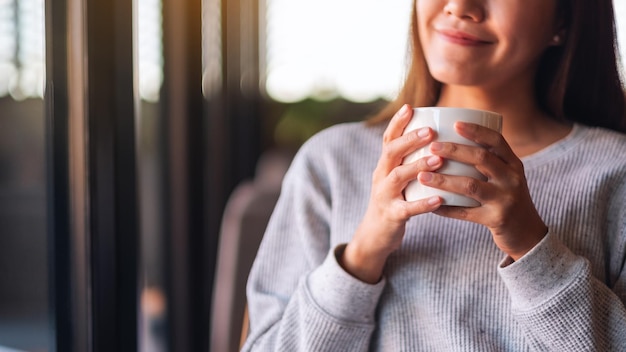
[(556, 39)]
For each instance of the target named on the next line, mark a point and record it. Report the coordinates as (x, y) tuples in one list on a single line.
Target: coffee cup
[(441, 120)]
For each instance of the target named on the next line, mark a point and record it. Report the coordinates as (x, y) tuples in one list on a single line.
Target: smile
[(461, 38)]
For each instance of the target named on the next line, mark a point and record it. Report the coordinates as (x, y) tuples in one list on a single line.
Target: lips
[(462, 38)]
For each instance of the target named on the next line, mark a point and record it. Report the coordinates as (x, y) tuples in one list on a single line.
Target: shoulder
[(592, 154), (338, 151), (343, 142), (601, 145), (597, 146), (602, 153), (353, 133)]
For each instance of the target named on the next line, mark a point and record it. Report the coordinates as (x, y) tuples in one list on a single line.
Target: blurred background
[(128, 130)]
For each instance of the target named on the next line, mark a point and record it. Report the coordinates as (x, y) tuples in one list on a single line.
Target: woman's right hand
[(382, 228)]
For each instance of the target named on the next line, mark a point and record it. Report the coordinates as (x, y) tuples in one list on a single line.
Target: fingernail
[(433, 160), (433, 200), (462, 125), (404, 110), (423, 132), (425, 176), (436, 146)]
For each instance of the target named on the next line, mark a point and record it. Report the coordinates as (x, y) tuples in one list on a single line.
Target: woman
[(348, 265)]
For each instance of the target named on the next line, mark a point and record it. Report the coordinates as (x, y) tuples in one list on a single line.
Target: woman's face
[(485, 42)]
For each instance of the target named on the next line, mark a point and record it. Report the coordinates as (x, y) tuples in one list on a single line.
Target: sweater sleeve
[(565, 296), (299, 298), (560, 305)]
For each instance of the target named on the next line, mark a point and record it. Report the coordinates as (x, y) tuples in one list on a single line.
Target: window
[(21, 48), (22, 58), (326, 48), (150, 49)]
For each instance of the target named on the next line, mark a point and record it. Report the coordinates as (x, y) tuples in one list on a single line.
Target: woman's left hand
[(506, 209)]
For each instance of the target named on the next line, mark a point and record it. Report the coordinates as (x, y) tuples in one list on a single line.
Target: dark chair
[(245, 218)]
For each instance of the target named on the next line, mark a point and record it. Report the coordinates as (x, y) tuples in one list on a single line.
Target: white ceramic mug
[(441, 120)]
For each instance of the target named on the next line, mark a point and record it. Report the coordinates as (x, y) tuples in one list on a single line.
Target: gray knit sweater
[(448, 288)]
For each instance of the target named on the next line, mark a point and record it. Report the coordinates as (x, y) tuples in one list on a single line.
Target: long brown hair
[(577, 81)]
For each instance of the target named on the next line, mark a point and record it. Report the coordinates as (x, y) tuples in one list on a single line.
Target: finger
[(395, 151), (422, 206), (485, 161), (466, 186), (397, 123), (401, 175), (394, 129), (459, 213), (490, 139), (484, 215)]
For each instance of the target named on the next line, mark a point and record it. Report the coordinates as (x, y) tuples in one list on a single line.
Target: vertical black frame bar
[(184, 126), (58, 207), (114, 225), (93, 207), (211, 144), (241, 67)]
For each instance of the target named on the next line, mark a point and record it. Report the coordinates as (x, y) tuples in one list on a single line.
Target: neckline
[(556, 149)]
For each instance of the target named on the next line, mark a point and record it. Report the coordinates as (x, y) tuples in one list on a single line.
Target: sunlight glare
[(325, 48)]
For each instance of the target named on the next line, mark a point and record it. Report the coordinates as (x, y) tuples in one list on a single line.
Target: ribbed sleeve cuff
[(540, 274), (341, 295)]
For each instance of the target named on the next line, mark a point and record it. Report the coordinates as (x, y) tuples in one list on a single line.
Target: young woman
[(348, 265)]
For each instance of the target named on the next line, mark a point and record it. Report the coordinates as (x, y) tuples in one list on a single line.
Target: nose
[(465, 9)]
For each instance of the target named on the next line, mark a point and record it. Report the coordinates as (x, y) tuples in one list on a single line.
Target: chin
[(453, 77)]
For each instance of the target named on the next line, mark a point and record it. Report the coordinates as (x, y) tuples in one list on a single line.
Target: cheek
[(525, 30), (427, 10), (526, 35), (423, 6), (527, 47), (425, 15)]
